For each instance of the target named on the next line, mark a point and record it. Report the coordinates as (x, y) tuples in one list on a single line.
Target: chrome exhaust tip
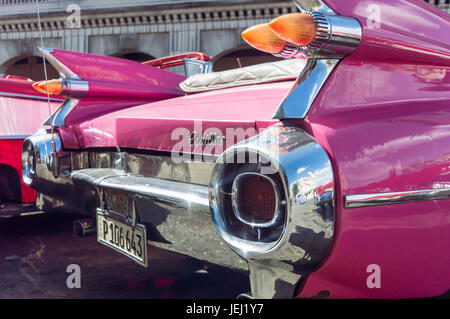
[(84, 227)]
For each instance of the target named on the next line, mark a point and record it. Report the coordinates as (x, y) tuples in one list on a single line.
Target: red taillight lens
[(54, 87), (255, 199), (296, 28), (262, 37)]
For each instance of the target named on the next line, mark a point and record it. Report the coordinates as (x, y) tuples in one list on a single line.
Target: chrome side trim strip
[(72, 83), (28, 96), (13, 137), (63, 70), (58, 117), (176, 192), (308, 85), (367, 200)]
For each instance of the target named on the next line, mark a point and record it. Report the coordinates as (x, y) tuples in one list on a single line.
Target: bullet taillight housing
[(63, 87), (307, 34)]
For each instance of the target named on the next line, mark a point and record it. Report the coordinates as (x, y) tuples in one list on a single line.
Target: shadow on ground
[(36, 250)]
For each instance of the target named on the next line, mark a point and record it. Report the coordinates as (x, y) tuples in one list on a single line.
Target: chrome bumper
[(18, 209), (176, 214), (175, 211)]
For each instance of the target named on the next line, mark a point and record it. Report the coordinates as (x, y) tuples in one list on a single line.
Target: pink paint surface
[(408, 30), (23, 116), (115, 70), (384, 118), (151, 126), (115, 84)]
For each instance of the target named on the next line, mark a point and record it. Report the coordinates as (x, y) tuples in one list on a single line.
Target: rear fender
[(95, 85)]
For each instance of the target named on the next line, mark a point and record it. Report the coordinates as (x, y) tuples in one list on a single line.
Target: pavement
[(36, 250)]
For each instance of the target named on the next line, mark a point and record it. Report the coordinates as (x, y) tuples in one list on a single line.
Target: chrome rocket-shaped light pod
[(306, 35)]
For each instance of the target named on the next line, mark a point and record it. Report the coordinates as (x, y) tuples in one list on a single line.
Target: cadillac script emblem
[(207, 139)]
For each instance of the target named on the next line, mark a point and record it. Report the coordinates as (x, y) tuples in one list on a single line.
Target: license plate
[(128, 240)]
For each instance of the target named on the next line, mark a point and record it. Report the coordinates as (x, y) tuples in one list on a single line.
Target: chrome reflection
[(157, 166), (313, 5), (38, 169), (305, 90), (58, 117), (336, 36), (28, 163), (75, 88), (279, 258), (367, 200), (73, 85), (38, 163), (176, 214), (169, 198), (63, 70), (79, 160), (28, 96)]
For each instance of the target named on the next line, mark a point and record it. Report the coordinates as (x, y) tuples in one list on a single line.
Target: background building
[(135, 29)]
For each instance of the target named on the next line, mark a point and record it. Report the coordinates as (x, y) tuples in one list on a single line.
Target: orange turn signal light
[(262, 37), (54, 87), (296, 28)]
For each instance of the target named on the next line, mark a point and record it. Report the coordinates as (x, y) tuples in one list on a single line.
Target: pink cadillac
[(325, 174)]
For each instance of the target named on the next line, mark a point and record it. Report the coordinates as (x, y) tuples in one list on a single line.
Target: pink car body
[(382, 117), (22, 112), (393, 137)]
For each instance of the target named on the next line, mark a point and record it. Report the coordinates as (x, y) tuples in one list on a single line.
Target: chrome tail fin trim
[(367, 200)]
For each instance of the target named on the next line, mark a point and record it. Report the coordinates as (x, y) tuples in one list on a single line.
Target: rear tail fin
[(104, 84)]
